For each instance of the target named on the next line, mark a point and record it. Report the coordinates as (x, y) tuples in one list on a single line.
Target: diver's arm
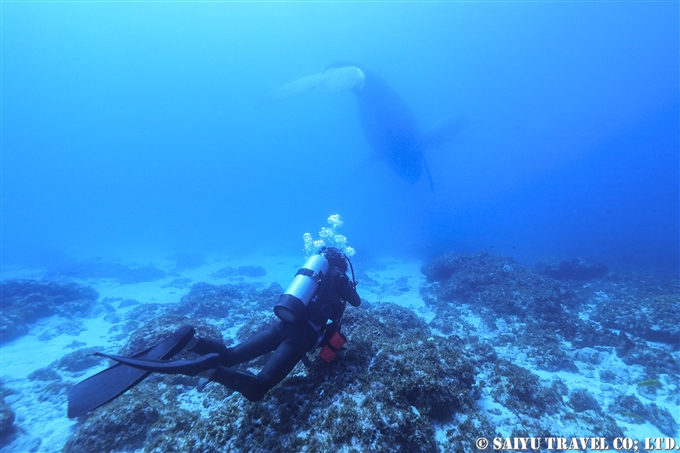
[(346, 290)]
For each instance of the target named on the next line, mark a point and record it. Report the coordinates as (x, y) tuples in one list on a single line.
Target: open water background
[(131, 129)]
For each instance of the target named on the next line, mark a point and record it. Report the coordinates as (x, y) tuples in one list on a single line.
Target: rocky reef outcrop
[(572, 269), (562, 325), (26, 301), (496, 358), (7, 416)]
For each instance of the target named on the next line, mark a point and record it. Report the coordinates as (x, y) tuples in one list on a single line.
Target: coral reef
[(562, 325), (522, 391), (643, 314), (581, 400), (497, 349), (252, 271), (573, 269), (88, 269), (543, 312), (7, 427), (225, 272), (179, 283), (391, 287), (78, 360), (499, 288), (157, 329), (26, 301), (629, 409), (221, 301), (128, 303), (123, 425)]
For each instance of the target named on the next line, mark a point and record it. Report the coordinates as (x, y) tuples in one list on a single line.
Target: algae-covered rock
[(121, 426), (220, 301), (650, 316), (162, 327), (495, 283), (581, 400), (7, 427), (572, 269), (630, 409), (522, 392), (26, 301), (252, 271), (79, 360)]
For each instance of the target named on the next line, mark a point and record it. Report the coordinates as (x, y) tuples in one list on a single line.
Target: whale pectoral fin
[(429, 175), (293, 89), (338, 80), (332, 80), (444, 131)]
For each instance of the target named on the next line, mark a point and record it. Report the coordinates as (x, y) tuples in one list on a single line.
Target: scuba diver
[(309, 315)]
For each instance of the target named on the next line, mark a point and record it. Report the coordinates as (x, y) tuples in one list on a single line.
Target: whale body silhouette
[(388, 124)]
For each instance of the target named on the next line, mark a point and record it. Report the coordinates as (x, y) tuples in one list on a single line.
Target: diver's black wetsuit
[(289, 341)]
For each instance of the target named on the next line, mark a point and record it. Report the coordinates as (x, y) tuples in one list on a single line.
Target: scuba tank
[(293, 303)]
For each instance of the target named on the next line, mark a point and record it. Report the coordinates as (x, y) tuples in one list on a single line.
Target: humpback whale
[(389, 126)]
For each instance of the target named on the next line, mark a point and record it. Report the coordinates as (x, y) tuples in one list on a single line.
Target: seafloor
[(439, 355)]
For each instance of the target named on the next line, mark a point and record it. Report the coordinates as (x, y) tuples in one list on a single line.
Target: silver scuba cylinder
[(293, 303)]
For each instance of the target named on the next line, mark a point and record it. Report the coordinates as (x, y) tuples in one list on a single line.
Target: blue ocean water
[(135, 128), (143, 176)]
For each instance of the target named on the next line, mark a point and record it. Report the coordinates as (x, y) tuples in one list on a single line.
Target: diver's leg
[(299, 338), (241, 381), (253, 347), (257, 345), (204, 346), (293, 341)]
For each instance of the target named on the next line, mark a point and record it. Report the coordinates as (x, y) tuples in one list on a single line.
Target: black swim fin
[(106, 385), (187, 367), (243, 382)]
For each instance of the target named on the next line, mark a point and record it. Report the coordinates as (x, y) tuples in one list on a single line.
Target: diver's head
[(335, 257)]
